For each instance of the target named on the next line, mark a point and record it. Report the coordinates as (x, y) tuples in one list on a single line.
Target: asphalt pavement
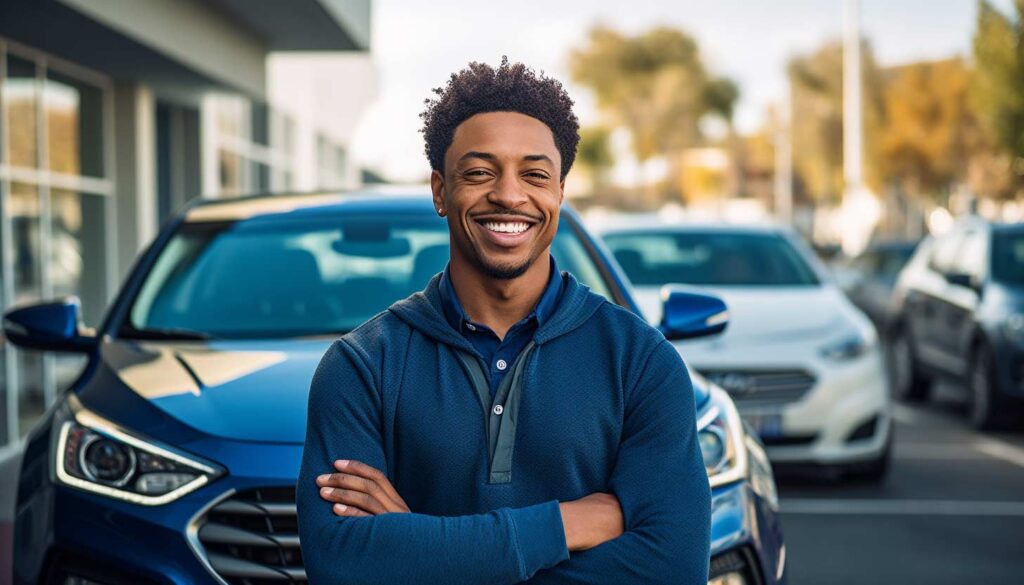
[(951, 510)]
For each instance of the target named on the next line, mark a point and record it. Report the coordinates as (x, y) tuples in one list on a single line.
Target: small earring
[(440, 211)]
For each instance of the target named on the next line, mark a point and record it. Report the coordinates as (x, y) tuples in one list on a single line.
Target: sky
[(416, 45)]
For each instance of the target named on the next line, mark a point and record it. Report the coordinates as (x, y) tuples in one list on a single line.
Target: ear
[(561, 191), (437, 189)]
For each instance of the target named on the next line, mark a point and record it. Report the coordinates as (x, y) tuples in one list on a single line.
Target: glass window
[(231, 170), (77, 229), (74, 126), (25, 256), (1008, 257), (654, 258), (318, 276), (31, 395), (21, 102)]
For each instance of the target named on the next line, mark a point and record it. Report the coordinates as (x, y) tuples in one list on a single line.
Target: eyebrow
[(490, 157)]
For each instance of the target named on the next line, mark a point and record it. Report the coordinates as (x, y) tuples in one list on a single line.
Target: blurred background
[(865, 126)]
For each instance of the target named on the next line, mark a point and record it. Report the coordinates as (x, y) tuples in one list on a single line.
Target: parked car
[(959, 314), (174, 457), (868, 278), (802, 363)]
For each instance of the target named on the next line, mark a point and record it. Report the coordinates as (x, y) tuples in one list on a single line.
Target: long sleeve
[(661, 484), (508, 545)]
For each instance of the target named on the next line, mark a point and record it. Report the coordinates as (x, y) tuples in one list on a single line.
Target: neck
[(499, 303)]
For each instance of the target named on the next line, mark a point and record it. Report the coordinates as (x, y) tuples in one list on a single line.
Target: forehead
[(503, 134)]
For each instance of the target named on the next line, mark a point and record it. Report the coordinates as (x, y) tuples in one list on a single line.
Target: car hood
[(766, 315), (243, 390), (240, 390)]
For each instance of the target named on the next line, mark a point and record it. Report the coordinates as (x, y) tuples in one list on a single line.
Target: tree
[(653, 84), (594, 154), (930, 130), (816, 82), (998, 88)]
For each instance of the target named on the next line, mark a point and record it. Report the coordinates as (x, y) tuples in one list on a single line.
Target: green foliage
[(655, 84), (931, 130), (816, 83), (998, 82)]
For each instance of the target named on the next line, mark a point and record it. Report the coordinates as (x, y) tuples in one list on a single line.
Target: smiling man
[(505, 424)]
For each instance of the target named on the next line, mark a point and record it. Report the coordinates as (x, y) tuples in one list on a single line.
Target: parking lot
[(950, 511)]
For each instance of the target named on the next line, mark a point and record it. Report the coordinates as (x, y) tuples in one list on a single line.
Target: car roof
[(237, 208), (690, 227)]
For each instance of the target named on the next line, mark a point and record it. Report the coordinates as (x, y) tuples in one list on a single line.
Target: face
[(501, 192)]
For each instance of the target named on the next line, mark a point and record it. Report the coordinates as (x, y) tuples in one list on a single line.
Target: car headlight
[(721, 437), (851, 344), (96, 455)]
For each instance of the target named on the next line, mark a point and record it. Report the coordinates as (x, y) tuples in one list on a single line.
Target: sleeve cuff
[(540, 536)]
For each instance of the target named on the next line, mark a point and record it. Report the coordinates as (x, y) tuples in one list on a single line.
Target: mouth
[(504, 230)]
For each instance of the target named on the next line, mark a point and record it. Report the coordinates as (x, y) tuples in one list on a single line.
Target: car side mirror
[(55, 326), (687, 314)]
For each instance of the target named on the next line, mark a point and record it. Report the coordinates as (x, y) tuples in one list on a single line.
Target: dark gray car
[(958, 311)]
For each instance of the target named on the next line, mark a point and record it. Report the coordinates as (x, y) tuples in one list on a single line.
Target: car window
[(1008, 257), (654, 258), (259, 278)]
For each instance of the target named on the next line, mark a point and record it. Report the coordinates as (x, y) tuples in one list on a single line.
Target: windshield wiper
[(169, 334)]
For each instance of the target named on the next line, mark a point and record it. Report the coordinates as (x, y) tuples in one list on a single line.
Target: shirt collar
[(545, 308)]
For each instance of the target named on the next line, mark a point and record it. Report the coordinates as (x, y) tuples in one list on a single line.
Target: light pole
[(860, 209)]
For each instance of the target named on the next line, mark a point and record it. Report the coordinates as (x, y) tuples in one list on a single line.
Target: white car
[(801, 362)]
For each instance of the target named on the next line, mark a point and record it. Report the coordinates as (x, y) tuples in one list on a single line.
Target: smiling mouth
[(506, 227)]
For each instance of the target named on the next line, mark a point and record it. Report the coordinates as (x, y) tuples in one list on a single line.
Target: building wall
[(92, 162)]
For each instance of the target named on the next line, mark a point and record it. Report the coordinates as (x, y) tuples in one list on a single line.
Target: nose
[(507, 192)]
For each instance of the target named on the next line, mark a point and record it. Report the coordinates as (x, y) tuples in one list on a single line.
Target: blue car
[(173, 457)]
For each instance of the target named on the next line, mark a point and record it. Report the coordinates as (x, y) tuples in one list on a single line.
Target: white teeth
[(511, 228)]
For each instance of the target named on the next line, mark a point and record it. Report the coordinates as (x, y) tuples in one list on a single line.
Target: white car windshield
[(655, 258)]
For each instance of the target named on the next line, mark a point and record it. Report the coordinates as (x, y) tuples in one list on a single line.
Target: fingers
[(373, 494), (371, 473), (343, 510), (354, 499)]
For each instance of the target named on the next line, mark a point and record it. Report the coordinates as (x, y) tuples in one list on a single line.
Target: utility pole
[(784, 157), (853, 128), (860, 209)]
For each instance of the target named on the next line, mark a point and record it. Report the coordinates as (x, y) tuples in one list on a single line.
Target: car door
[(961, 297), (925, 302)]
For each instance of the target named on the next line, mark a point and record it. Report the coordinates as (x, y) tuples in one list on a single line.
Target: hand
[(592, 520), (359, 490)]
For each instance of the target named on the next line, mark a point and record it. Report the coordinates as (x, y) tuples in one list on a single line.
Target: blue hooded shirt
[(598, 401)]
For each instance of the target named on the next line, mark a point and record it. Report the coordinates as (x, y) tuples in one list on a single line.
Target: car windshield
[(273, 278), (654, 258), (1008, 257)]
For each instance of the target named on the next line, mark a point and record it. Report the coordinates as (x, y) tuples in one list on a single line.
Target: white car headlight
[(721, 437), (851, 344), (96, 455)]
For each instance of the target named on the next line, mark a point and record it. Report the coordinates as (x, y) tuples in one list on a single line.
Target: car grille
[(762, 387), (252, 538)]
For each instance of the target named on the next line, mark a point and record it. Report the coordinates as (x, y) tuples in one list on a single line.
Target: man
[(505, 424)]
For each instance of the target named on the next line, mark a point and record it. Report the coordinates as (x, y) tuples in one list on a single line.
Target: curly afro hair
[(512, 87)]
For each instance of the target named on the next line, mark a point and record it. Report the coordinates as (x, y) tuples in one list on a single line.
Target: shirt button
[(502, 364), (470, 326), (498, 409)]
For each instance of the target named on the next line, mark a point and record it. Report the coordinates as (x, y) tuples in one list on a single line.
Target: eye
[(476, 173), (537, 175)]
